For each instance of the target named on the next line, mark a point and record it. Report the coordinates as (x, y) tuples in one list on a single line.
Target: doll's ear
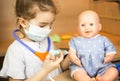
[(23, 22)]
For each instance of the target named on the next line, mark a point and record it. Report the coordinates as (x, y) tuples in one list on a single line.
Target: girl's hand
[(52, 63), (73, 58)]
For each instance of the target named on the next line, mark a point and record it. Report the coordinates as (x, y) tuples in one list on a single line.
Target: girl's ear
[(23, 22)]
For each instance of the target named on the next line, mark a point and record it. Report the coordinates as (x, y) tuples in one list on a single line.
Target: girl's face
[(43, 20), (38, 28), (89, 25)]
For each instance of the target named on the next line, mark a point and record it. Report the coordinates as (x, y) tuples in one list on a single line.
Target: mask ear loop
[(43, 55)]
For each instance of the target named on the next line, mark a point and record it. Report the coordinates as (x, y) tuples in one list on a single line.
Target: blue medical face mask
[(37, 33)]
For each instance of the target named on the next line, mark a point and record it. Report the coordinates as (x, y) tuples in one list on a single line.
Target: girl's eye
[(91, 24), (82, 25), (41, 26)]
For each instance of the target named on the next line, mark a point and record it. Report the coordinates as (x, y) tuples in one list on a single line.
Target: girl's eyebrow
[(44, 23)]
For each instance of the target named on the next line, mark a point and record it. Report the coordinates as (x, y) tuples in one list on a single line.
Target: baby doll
[(91, 53)]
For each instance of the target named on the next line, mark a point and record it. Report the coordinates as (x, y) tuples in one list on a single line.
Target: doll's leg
[(81, 75), (110, 75)]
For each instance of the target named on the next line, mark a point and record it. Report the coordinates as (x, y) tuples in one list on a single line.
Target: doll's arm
[(108, 58), (73, 58)]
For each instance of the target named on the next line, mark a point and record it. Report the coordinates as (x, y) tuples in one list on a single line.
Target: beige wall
[(7, 19), (109, 13), (66, 20)]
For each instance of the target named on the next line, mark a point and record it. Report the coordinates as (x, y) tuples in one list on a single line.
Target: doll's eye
[(91, 24), (82, 25)]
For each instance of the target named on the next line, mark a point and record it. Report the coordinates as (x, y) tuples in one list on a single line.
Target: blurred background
[(67, 19)]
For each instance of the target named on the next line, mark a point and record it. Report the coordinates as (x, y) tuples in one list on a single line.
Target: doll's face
[(89, 25)]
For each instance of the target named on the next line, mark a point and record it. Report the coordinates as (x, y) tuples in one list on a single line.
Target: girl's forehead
[(47, 17)]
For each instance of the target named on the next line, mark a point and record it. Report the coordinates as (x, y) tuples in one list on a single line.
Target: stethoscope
[(43, 55)]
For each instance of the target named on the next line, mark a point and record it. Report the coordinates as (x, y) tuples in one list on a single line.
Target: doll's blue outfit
[(91, 52)]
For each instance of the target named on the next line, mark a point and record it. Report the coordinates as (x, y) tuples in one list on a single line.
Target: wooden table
[(65, 76)]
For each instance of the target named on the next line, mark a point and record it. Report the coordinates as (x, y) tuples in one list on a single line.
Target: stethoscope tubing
[(29, 48)]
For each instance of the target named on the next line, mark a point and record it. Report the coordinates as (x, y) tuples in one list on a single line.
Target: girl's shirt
[(21, 63)]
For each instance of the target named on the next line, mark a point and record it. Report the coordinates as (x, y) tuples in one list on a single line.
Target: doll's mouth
[(87, 31)]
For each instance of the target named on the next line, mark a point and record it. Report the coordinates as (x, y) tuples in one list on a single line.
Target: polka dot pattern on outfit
[(91, 51)]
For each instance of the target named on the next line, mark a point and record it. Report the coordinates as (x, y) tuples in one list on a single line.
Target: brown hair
[(27, 9), (24, 8)]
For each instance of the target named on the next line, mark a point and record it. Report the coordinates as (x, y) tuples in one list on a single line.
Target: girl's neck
[(27, 39)]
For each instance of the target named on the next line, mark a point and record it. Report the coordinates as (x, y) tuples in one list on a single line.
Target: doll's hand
[(77, 61), (73, 58), (108, 58)]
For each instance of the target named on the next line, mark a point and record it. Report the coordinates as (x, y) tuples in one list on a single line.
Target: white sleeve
[(13, 65)]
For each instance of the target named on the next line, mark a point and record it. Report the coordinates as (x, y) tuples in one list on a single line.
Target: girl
[(25, 57)]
